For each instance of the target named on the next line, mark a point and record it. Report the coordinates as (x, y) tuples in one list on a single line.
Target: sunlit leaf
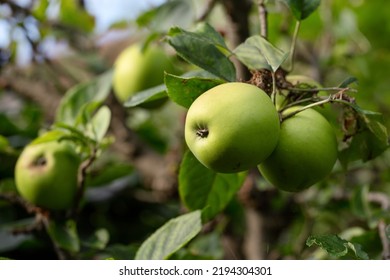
[(39, 10), (336, 246), (184, 91), (257, 53), (171, 13), (170, 237), (100, 123), (52, 135), (71, 104), (72, 14), (148, 96)]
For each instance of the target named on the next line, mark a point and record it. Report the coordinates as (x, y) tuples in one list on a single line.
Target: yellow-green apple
[(232, 127), (137, 68), (305, 154), (46, 174)]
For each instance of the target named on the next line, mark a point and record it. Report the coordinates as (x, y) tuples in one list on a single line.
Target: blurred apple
[(46, 174)]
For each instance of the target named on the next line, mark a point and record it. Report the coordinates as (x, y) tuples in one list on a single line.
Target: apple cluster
[(235, 126)]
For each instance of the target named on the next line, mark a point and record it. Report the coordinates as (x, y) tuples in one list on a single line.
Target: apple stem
[(273, 94)]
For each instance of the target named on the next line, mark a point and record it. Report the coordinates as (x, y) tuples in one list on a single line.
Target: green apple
[(138, 69), (305, 154), (232, 127), (46, 174)]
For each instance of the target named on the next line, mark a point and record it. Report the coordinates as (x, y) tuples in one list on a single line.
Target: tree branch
[(238, 12), (263, 19), (207, 10), (41, 93), (158, 171), (384, 239)]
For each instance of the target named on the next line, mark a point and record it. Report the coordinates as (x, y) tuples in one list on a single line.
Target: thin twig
[(384, 201), (18, 200), (81, 182), (207, 10), (293, 46), (380, 198), (327, 100), (273, 95), (322, 89), (384, 239), (332, 98), (263, 19)]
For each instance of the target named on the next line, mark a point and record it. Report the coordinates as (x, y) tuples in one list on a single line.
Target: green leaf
[(40, 8), (257, 53), (52, 135), (359, 202), (184, 91), (208, 245), (205, 48), (369, 142), (4, 144), (337, 247), (86, 112), (347, 82), (171, 13), (77, 97), (100, 123), (147, 96), (72, 14), (64, 235), (121, 251), (374, 123), (170, 237), (202, 188), (301, 9), (98, 240)]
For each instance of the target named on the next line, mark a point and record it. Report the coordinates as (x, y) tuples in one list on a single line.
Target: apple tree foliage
[(119, 215)]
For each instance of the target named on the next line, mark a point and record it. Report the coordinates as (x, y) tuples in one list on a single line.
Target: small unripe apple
[(46, 174), (232, 127), (138, 69), (305, 154)]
